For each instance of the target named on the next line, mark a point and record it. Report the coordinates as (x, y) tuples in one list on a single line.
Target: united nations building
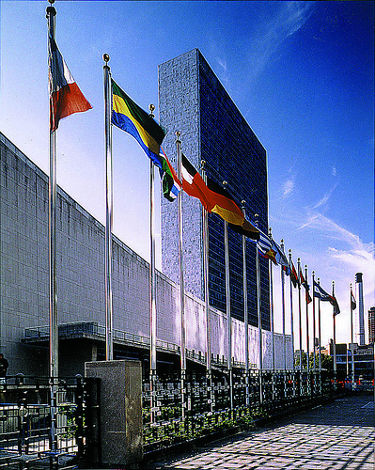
[(192, 101)]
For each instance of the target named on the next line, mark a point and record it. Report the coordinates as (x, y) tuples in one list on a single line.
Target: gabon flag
[(65, 96)]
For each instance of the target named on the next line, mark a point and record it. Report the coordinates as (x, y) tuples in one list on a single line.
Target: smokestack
[(359, 281)]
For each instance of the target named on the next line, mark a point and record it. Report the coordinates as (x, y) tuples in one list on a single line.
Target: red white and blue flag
[(65, 96)]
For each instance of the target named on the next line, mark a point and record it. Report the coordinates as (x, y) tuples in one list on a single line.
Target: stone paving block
[(307, 445)]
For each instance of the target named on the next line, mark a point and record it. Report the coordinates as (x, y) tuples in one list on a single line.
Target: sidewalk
[(340, 435)]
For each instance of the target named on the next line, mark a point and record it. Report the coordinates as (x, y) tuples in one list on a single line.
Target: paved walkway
[(340, 435)]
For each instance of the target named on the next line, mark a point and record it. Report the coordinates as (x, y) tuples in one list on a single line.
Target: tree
[(327, 361)]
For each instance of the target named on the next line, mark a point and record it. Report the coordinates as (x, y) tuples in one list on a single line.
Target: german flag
[(215, 199)]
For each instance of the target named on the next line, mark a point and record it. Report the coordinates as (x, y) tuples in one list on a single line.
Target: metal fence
[(32, 432), (205, 408)]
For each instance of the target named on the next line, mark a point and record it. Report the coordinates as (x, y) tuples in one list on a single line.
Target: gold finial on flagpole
[(151, 107), (106, 58), (51, 2)]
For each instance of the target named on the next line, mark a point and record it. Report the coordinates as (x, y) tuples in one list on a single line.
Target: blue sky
[(300, 72)]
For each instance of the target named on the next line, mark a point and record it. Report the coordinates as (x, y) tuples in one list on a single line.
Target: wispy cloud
[(224, 73), (325, 198), (222, 62), (289, 19), (288, 187), (334, 171), (331, 230), (341, 264)]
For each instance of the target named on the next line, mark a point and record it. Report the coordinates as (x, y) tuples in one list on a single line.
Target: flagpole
[(283, 306), (207, 294), (307, 325), (320, 343), (291, 306), (257, 268), (299, 314), (351, 333), (227, 308), (52, 203), (314, 332), (334, 342), (271, 306), (245, 308), (182, 289), (152, 288), (52, 189), (109, 209)]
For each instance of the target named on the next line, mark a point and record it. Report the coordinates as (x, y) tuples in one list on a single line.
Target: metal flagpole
[(245, 308), (52, 202), (182, 290), (283, 307), (152, 288), (320, 343), (314, 329), (272, 307), (307, 328), (227, 308), (308, 378), (291, 306), (207, 295), (109, 209), (52, 188), (300, 324), (334, 342), (299, 314), (292, 321), (351, 334), (257, 268)]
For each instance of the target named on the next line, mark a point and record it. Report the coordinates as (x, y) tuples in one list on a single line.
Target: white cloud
[(325, 198), (290, 18), (332, 230), (222, 63), (288, 187)]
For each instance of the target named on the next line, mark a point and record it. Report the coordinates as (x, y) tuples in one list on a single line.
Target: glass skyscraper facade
[(194, 102)]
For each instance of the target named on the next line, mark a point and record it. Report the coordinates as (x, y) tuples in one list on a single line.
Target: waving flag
[(171, 185), (243, 228), (215, 199), (321, 294), (65, 96), (294, 275), (335, 304), (129, 117), (281, 258), (352, 301), (265, 247), (302, 280)]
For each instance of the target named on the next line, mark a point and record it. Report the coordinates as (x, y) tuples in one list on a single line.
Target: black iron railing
[(208, 410), (31, 431)]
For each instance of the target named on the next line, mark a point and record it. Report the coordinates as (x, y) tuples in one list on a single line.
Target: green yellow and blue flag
[(131, 118)]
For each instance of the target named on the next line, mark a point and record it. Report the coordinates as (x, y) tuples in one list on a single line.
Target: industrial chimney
[(359, 281)]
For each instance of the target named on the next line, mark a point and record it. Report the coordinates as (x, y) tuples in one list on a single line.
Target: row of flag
[(66, 98)]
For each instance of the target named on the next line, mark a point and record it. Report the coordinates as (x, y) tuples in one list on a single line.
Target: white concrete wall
[(80, 276)]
